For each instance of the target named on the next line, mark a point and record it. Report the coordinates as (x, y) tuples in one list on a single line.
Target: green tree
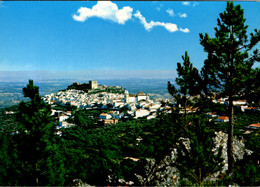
[(229, 63), (188, 81), (195, 157), (8, 160), (253, 87), (82, 119), (38, 151), (154, 150)]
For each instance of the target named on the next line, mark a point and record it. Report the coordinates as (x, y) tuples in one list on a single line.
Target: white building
[(116, 114), (65, 124), (105, 116), (240, 102), (63, 117), (151, 116), (212, 114), (141, 96), (130, 98), (118, 104), (141, 113), (154, 107)]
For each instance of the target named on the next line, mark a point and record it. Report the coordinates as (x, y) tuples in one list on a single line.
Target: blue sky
[(73, 36)]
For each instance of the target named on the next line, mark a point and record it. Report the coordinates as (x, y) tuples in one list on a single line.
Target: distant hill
[(24, 76), (11, 92)]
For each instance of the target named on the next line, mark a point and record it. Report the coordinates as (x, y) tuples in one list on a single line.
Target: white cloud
[(170, 12), (148, 26), (187, 3), (186, 30), (183, 15), (108, 10), (195, 4), (159, 7), (105, 10)]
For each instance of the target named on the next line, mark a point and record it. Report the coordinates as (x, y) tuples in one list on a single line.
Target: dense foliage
[(195, 158), (188, 81), (229, 61), (172, 149), (135, 150)]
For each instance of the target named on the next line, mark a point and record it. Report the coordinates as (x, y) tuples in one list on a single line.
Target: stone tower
[(93, 84)]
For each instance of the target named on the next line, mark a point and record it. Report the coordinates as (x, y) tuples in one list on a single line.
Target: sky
[(110, 36)]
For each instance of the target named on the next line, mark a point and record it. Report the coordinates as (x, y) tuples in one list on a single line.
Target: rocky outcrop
[(165, 174), (239, 147), (169, 175)]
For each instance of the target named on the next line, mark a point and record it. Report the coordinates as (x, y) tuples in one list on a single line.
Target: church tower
[(126, 96)]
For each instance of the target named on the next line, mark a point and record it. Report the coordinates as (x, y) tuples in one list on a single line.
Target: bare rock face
[(165, 174), (170, 176), (239, 147)]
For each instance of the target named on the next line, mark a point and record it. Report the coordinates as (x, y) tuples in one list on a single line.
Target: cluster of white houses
[(138, 105)]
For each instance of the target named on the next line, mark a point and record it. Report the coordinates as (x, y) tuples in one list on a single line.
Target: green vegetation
[(229, 61), (172, 149), (196, 161), (77, 86), (102, 155), (37, 150), (188, 80), (108, 90), (86, 88), (65, 107)]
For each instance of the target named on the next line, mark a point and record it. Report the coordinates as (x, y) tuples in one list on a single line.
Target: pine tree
[(253, 87), (229, 62), (196, 160), (188, 81), (8, 160), (38, 151)]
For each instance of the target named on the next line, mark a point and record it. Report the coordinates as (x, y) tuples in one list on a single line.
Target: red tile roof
[(223, 117), (141, 93), (255, 125), (251, 108)]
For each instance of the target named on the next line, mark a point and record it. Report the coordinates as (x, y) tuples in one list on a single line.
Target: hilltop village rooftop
[(137, 105)]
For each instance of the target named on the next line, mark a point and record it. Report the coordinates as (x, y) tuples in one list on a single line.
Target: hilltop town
[(177, 104), (115, 98), (120, 104), (91, 110)]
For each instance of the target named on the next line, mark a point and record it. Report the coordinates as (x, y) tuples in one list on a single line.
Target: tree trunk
[(36, 179), (230, 149), (185, 111), (200, 177)]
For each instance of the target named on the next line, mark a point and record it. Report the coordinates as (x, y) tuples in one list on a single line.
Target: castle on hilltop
[(93, 84), (94, 87), (85, 86)]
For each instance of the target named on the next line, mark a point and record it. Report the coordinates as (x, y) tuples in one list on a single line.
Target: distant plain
[(153, 83)]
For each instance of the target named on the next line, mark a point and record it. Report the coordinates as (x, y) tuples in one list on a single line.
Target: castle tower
[(93, 84)]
